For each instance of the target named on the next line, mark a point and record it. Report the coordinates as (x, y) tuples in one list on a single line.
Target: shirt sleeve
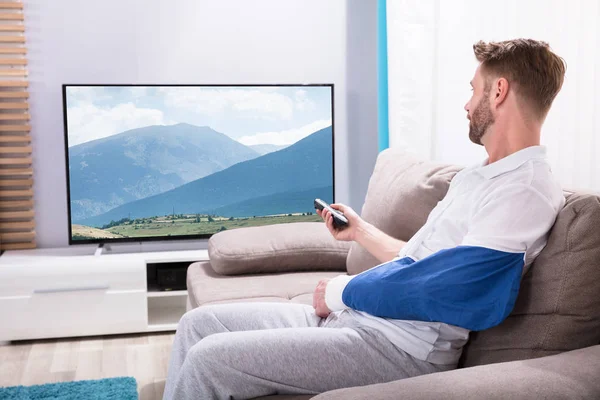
[(473, 285), (333, 292)]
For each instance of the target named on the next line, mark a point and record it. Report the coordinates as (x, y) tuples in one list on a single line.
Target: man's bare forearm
[(378, 243)]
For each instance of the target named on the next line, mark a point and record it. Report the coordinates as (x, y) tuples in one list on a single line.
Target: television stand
[(49, 293), (100, 248)]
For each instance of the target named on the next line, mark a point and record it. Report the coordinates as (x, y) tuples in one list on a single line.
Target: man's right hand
[(347, 233)]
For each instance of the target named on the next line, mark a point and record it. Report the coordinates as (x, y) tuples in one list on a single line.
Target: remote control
[(339, 220)]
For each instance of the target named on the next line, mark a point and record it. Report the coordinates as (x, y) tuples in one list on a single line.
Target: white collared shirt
[(509, 205)]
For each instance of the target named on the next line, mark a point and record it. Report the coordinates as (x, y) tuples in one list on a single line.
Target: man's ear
[(500, 91)]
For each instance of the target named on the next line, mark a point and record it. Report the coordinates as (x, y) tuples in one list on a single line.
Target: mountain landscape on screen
[(265, 184), (135, 164), (171, 179), (266, 148)]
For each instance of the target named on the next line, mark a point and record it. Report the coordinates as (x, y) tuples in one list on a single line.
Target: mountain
[(307, 164), (279, 203), (263, 149), (138, 163)]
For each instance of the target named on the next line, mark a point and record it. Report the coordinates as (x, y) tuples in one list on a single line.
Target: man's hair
[(530, 64)]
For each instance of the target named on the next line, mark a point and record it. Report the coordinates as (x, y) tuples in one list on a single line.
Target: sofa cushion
[(558, 307), (402, 192), (205, 286), (300, 246)]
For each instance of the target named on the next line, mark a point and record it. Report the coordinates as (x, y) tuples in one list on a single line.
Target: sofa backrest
[(558, 307), (402, 192)]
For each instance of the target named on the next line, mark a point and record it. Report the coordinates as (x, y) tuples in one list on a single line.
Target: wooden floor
[(145, 357)]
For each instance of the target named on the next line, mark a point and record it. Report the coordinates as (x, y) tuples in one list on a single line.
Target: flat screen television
[(160, 162)]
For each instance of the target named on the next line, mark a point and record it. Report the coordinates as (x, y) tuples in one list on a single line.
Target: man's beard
[(481, 120)]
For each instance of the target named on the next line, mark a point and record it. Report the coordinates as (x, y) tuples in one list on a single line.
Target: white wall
[(187, 41), (431, 64)]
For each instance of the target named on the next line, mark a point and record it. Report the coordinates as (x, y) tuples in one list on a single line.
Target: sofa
[(549, 346)]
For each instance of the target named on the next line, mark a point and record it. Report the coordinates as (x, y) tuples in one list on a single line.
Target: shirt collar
[(511, 162)]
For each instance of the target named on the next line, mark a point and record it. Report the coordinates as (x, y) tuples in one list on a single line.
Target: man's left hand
[(319, 304)]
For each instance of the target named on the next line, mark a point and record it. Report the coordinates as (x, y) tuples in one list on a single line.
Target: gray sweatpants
[(246, 350)]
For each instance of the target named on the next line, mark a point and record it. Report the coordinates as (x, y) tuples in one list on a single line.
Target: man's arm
[(473, 285), (381, 245)]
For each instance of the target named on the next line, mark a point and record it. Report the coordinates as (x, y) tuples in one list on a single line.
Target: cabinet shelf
[(168, 293), (165, 312)]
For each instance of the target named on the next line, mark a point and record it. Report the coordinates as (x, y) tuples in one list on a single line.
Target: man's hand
[(319, 304), (354, 222)]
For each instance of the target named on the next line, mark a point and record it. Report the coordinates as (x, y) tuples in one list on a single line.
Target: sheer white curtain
[(431, 61)]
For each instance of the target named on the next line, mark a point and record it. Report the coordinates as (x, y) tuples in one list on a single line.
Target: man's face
[(478, 108)]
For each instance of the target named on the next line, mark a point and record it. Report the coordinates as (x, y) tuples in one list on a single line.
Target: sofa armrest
[(293, 247), (571, 375)]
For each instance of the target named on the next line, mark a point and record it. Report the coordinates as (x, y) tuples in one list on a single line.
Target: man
[(412, 314)]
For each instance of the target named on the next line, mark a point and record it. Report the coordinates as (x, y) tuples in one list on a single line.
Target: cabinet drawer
[(87, 311), (63, 273)]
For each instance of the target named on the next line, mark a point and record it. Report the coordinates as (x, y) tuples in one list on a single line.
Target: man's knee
[(209, 352), (197, 319)]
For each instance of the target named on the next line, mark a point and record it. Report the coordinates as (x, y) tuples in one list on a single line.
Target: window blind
[(17, 224)]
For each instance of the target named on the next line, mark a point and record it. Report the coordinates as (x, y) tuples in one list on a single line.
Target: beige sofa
[(547, 348)]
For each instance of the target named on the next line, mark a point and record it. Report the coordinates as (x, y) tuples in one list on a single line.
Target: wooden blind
[(17, 225)]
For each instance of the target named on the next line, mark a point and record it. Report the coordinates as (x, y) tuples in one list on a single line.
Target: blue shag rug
[(102, 389)]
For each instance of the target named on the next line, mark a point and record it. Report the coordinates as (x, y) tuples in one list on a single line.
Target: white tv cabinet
[(50, 293)]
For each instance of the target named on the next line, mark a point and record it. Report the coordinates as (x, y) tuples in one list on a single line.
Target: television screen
[(186, 161)]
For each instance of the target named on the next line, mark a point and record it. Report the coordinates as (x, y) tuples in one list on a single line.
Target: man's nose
[(467, 107)]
